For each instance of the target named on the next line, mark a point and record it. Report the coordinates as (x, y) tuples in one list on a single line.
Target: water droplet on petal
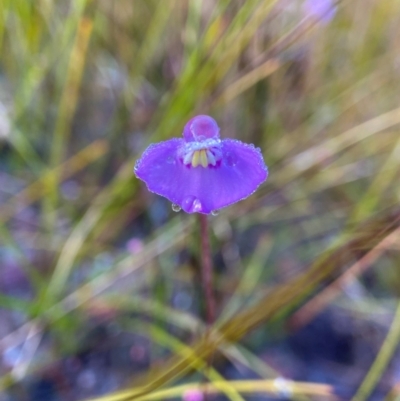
[(197, 206), (230, 159), (191, 204), (171, 160), (176, 208), (215, 212)]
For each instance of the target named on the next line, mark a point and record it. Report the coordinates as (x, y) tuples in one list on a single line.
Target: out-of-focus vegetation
[(99, 278)]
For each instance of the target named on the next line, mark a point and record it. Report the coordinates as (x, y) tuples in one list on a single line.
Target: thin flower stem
[(206, 270), (208, 290)]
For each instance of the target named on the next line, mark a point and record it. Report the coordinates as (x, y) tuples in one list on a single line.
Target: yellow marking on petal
[(203, 158), (196, 158)]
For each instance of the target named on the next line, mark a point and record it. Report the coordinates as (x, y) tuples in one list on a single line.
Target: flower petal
[(200, 189), (240, 173), (159, 166)]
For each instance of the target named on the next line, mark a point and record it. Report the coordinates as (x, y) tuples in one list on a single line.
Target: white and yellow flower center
[(196, 154), (203, 157)]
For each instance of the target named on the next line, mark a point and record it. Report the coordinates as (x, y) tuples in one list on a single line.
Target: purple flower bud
[(321, 10), (202, 173)]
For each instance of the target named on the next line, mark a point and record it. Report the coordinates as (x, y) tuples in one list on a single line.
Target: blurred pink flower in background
[(134, 245), (193, 395)]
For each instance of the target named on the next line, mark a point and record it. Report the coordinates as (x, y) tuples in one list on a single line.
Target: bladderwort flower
[(202, 173)]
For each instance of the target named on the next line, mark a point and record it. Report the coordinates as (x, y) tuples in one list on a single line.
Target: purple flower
[(202, 173), (322, 10)]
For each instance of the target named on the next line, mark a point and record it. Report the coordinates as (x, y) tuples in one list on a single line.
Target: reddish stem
[(206, 270)]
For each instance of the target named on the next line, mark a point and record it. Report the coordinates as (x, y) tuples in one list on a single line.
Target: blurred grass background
[(99, 278)]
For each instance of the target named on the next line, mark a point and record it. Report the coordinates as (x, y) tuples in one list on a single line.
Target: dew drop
[(176, 208), (215, 212), (230, 160), (197, 205), (191, 204)]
